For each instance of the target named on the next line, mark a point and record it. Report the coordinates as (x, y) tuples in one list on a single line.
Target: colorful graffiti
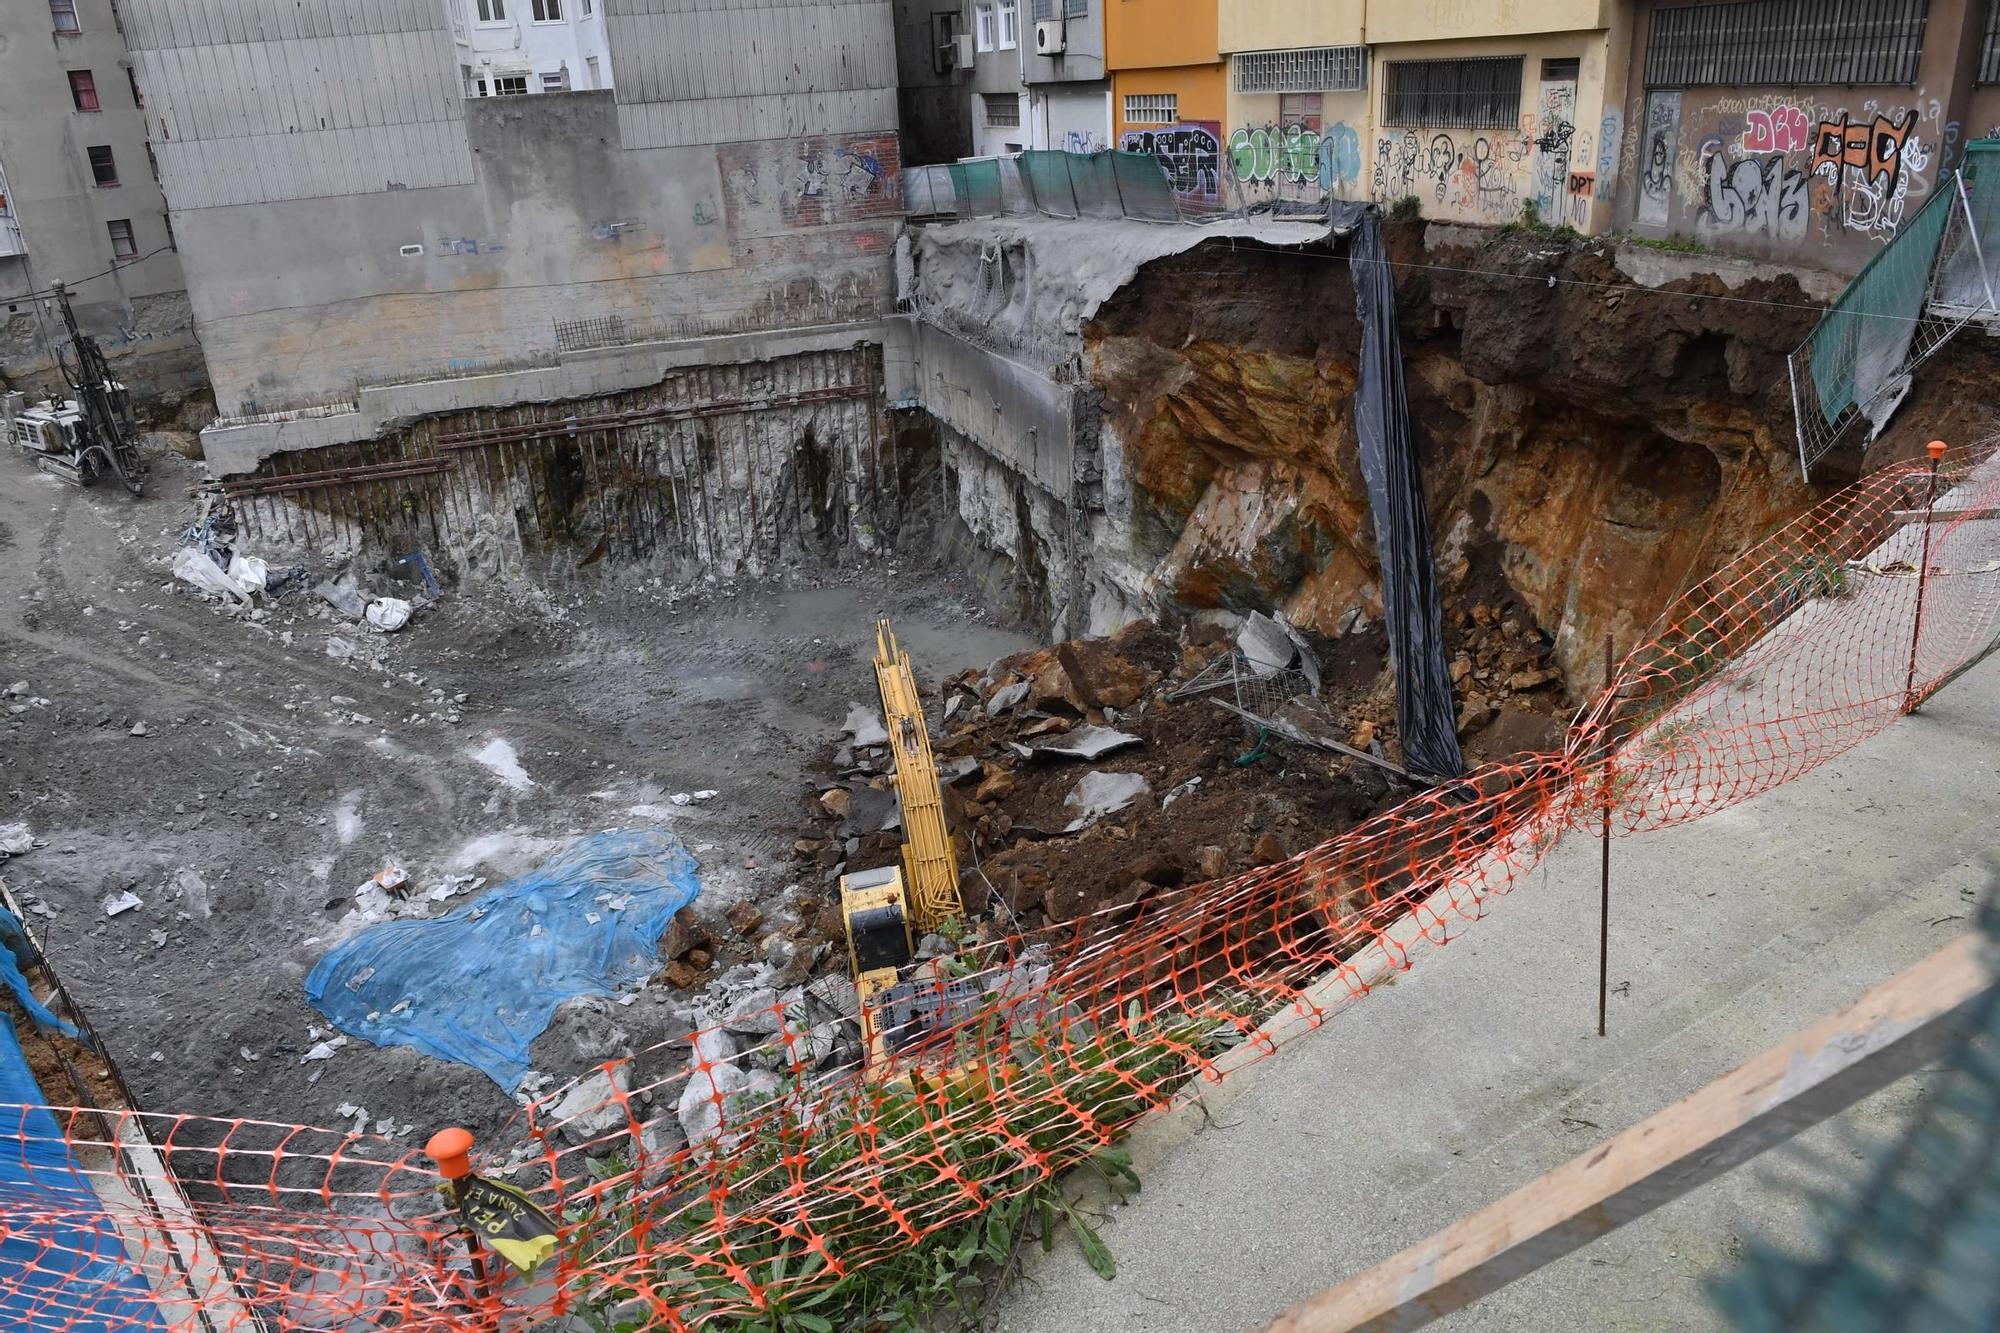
[(1754, 197), (1782, 129), (779, 184), (1295, 159), (1190, 153)]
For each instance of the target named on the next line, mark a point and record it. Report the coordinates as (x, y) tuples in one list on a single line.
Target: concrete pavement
[(1480, 1069)]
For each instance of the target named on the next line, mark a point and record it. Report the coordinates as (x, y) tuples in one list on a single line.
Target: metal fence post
[(1936, 448)]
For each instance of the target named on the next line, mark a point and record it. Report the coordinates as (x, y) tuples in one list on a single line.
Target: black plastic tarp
[(1426, 714)]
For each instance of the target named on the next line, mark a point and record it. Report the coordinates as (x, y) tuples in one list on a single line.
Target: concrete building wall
[(1441, 20), (1082, 57), (690, 72), (1074, 118), (1276, 25), (1552, 155), (1161, 47), (1817, 175), (61, 214), (437, 238)]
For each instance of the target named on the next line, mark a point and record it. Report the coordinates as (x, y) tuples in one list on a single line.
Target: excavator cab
[(877, 914)]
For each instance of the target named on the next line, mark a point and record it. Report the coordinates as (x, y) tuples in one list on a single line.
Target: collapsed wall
[(1598, 427)]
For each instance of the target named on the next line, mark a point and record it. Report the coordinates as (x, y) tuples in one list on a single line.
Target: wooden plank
[(1287, 731), (1818, 1072)]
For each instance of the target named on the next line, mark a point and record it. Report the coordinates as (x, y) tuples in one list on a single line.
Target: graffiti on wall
[(1555, 135), (1869, 166), (1295, 159), (1190, 153), (1475, 177), (781, 184), (1778, 168), (1753, 196)]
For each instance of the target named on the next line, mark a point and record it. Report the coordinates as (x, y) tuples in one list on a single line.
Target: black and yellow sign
[(506, 1221)]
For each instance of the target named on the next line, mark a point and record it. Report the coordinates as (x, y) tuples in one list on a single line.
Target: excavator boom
[(930, 865)]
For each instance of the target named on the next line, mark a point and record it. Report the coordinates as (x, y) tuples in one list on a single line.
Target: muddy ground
[(283, 760)]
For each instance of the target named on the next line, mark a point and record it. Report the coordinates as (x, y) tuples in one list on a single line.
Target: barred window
[(1989, 46), (1041, 11), (1304, 69), (1152, 108), (1786, 42), (1076, 9), (1002, 108), (1480, 93)]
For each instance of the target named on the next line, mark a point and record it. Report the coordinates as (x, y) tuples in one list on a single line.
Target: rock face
[(1589, 446)]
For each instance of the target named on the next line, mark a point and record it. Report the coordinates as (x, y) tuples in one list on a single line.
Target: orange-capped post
[(451, 1149), (1936, 450)]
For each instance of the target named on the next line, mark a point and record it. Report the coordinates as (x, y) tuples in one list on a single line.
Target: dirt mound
[(1095, 772)]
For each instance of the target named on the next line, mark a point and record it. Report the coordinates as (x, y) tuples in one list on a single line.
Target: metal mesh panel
[(1854, 367), (1304, 69), (1056, 184), (1076, 9), (1143, 192), (1786, 41), (1482, 93)]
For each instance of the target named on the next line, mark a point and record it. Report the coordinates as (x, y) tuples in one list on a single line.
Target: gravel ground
[(283, 760)]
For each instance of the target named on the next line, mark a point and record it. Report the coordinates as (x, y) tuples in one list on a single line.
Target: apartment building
[(1297, 97), (516, 47), (1166, 67), (80, 198)]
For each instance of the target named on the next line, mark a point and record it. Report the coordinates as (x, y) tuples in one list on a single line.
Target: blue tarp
[(483, 982), (62, 1264)]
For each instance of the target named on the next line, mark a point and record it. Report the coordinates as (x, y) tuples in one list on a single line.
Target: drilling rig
[(86, 435)]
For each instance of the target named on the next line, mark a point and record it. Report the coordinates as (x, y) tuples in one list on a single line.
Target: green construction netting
[(1864, 338), (977, 185)]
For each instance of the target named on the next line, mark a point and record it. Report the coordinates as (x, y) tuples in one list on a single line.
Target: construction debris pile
[(1088, 775)]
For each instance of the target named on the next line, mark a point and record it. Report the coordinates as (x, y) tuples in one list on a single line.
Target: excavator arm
[(930, 865)]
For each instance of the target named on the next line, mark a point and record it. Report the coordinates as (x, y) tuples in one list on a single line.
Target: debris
[(1098, 794), (138, 729), (323, 1050), (193, 890), (118, 904), (872, 811), (712, 1078), (1265, 644), (237, 581), (836, 801), (344, 596), (745, 918), (15, 840), (693, 798), (1086, 742), (1006, 697), (388, 614), (1180, 791), (864, 724), (391, 877), (756, 1014), (594, 1107)]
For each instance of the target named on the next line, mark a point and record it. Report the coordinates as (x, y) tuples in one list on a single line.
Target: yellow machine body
[(877, 916), (930, 864)]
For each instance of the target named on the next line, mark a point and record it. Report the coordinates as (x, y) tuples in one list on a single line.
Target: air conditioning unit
[(1049, 37), (961, 51)]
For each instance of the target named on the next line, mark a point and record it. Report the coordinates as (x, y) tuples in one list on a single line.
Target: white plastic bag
[(192, 565), (249, 573), (388, 614)]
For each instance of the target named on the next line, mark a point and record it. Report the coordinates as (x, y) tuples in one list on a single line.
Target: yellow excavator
[(881, 907)]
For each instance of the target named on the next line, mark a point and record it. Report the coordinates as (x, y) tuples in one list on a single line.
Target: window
[(1561, 71), (1989, 49), (587, 9), (1480, 93), (468, 82), (555, 83), (1010, 24), (1299, 109), (510, 85), (1076, 9), (984, 25), (492, 11), (103, 167), (63, 14), (132, 78), (590, 73), (83, 90), (1786, 42), (548, 11), (152, 162), (1002, 109), (1041, 11), (123, 246), (1152, 108), (1304, 69), (457, 10)]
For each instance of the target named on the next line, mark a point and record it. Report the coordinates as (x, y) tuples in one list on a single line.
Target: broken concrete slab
[(1265, 645), (1088, 742), (592, 1108), (1098, 794), (1006, 697), (864, 725), (872, 811)]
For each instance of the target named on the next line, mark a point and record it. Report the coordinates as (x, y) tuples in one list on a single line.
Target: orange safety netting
[(1052, 1042)]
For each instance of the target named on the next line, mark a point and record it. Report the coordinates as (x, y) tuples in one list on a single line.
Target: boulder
[(685, 933), (592, 1108), (745, 918)]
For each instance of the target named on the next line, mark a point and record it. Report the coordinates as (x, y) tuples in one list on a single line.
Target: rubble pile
[(1092, 773)]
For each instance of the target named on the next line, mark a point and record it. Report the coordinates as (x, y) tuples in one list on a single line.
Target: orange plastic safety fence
[(1056, 1040)]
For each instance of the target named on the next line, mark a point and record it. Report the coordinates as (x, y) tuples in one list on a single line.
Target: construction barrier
[(1054, 1042)]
